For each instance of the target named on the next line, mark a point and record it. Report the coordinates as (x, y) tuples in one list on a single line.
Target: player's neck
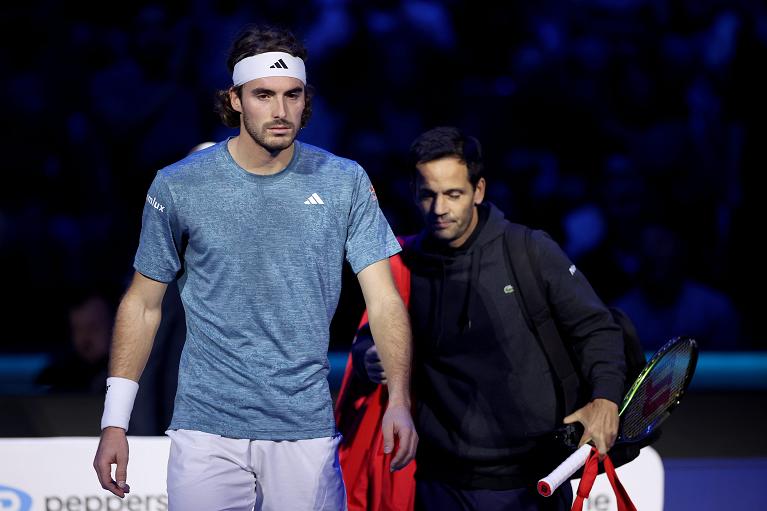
[(255, 159)]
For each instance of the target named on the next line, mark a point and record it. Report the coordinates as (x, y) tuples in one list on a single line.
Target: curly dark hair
[(253, 40), (447, 141)]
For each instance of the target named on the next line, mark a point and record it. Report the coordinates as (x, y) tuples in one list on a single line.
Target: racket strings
[(660, 388)]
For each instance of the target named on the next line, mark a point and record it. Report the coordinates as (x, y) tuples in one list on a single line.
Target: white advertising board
[(56, 474)]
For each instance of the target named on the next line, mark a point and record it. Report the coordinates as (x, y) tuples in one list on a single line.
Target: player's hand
[(600, 422), (373, 366), (113, 450), (398, 430)]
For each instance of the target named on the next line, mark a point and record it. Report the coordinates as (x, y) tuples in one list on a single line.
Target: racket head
[(658, 389)]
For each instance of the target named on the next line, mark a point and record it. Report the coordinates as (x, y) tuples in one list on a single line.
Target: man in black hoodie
[(484, 392)]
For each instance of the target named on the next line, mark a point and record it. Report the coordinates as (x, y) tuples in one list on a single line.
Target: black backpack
[(523, 266)]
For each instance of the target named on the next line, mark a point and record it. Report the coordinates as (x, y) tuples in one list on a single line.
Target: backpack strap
[(524, 269)]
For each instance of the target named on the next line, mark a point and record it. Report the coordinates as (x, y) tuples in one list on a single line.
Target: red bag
[(590, 471), (370, 486)]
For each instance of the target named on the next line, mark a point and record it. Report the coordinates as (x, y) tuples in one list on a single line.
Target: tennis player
[(256, 229)]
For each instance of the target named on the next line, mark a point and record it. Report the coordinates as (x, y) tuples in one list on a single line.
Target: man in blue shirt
[(256, 229)]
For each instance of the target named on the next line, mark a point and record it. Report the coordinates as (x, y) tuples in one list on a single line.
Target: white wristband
[(118, 404)]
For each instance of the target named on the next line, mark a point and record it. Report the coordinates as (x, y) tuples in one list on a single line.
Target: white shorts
[(209, 472)]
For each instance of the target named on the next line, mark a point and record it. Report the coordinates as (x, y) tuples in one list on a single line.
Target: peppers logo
[(12, 499)]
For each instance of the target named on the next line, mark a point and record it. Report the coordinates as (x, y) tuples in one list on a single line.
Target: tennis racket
[(650, 400)]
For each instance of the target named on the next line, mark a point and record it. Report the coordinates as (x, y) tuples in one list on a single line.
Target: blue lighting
[(731, 371)]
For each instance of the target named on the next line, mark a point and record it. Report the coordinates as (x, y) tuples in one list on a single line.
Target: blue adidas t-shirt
[(259, 261)]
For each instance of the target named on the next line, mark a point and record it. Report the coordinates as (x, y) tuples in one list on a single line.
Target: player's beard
[(260, 134)]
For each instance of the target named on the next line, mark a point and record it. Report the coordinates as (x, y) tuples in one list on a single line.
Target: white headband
[(273, 63)]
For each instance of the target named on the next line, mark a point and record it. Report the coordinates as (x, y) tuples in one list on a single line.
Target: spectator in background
[(667, 301), (83, 367)]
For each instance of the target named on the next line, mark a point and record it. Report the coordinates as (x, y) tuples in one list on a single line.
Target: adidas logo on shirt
[(313, 199), (280, 64)]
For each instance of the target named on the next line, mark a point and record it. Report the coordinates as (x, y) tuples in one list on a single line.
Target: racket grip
[(562, 473)]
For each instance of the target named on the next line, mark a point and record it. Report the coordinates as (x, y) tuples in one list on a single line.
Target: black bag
[(524, 268)]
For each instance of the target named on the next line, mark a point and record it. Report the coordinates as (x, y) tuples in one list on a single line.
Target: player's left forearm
[(390, 326)]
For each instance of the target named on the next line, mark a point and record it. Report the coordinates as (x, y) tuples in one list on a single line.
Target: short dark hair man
[(483, 388)]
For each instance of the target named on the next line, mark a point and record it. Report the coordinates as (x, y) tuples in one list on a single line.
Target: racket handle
[(562, 473)]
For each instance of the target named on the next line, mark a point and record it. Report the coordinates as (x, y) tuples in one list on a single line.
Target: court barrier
[(56, 474)]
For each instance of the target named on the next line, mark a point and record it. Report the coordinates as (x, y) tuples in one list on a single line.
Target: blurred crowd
[(628, 129)]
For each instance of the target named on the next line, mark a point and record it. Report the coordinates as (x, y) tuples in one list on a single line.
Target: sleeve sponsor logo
[(156, 205)]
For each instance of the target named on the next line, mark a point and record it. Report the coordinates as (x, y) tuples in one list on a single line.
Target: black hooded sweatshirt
[(483, 389)]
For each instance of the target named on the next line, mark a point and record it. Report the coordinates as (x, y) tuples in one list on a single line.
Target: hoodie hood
[(490, 226), (437, 258)]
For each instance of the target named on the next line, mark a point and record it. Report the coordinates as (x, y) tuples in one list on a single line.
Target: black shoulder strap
[(523, 267)]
